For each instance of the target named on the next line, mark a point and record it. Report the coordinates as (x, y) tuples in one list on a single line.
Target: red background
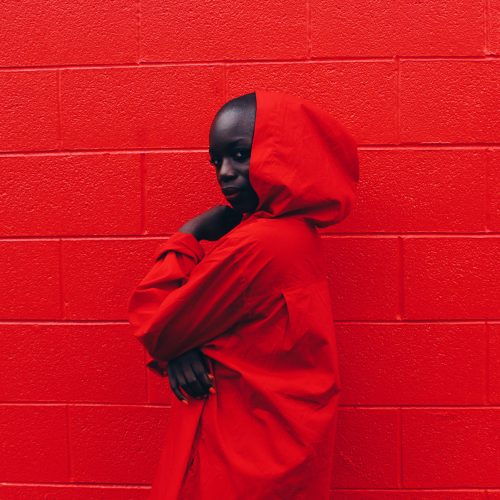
[(105, 112)]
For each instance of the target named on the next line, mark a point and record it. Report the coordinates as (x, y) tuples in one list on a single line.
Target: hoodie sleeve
[(174, 261), (187, 299)]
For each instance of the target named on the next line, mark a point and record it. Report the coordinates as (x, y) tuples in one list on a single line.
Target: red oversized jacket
[(258, 306)]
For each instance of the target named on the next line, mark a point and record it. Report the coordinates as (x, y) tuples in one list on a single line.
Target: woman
[(256, 309)]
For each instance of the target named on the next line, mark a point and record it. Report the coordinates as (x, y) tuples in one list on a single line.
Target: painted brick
[(451, 278), (389, 27), (28, 124), (100, 275), (409, 495), (364, 277), (213, 30), (493, 27), (29, 280), (494, 190), (460, 97), (446, 191), (76, 492), (32, 436), (448, 453), (115, 444), (159, 391), (494, 363), (146, 107), (70, 195), (102, 363), (361, 95), (450, 448), (64, 36), (366, 454), (179, 186), (412, 364)]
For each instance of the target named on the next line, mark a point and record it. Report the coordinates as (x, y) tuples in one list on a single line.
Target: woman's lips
[(232, 196), (231, 193)]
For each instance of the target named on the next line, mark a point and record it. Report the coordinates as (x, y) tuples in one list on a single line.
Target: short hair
[(246, 103)]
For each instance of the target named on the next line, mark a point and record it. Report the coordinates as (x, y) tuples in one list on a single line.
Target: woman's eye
[(241, 155)]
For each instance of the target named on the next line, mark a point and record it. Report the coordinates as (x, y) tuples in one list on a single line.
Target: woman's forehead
[(230, 125)]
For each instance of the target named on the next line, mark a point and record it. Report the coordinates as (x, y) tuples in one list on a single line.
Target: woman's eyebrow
[(232, 144)]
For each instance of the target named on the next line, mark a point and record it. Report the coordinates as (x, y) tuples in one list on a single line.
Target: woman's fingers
[(202, 371), (191, 373), (175, 378), (193, 386)]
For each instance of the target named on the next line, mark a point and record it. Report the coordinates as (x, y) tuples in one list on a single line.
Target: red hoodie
[(258, 306)]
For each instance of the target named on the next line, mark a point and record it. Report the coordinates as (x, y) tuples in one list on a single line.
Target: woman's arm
[(174, 261), (171, 320)]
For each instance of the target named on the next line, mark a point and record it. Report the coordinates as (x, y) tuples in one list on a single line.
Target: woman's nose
[(226, 169)]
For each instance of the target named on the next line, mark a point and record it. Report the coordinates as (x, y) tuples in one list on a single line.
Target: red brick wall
[(105, 112)]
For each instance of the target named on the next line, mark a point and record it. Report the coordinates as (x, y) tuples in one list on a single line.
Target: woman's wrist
[(191, 230)]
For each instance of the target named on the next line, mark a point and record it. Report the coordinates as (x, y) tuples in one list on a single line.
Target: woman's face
[(230, 138)]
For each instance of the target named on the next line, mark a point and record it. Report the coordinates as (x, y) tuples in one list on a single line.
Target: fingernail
[(212, 390), (185, 401), (210, 376)]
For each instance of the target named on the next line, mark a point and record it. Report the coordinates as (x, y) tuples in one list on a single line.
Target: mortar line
[(59, 113), (79, 484), (444, 489), (225, 85), (400, 448), (488, 360), (308, 30), (142, 177), (157, 236), (246, 62), (486, 27), (62, 311), (165, 406), (487, 193), (68, 444), (401, 276), (393, 322), (138, 13), (398, 99), (409, 146)]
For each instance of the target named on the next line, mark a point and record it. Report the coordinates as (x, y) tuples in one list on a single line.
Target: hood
[(303, 162)]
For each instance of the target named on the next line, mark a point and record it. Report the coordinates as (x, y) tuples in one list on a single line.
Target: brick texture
[(34, 435), (30, 279), (461, 94), (362, 95), (413, 364), (21, 492), (64, 36), (106, 109), (71, 363), (390, 27), (104, 438), (28, 124), (360, 430), (451, 278), (178, 187), (214, 30), (98, 276), (465, 436), (151, 107), (70, 195)]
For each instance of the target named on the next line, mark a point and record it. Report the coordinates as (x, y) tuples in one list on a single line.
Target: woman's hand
[(190, 371), (213, 223)]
